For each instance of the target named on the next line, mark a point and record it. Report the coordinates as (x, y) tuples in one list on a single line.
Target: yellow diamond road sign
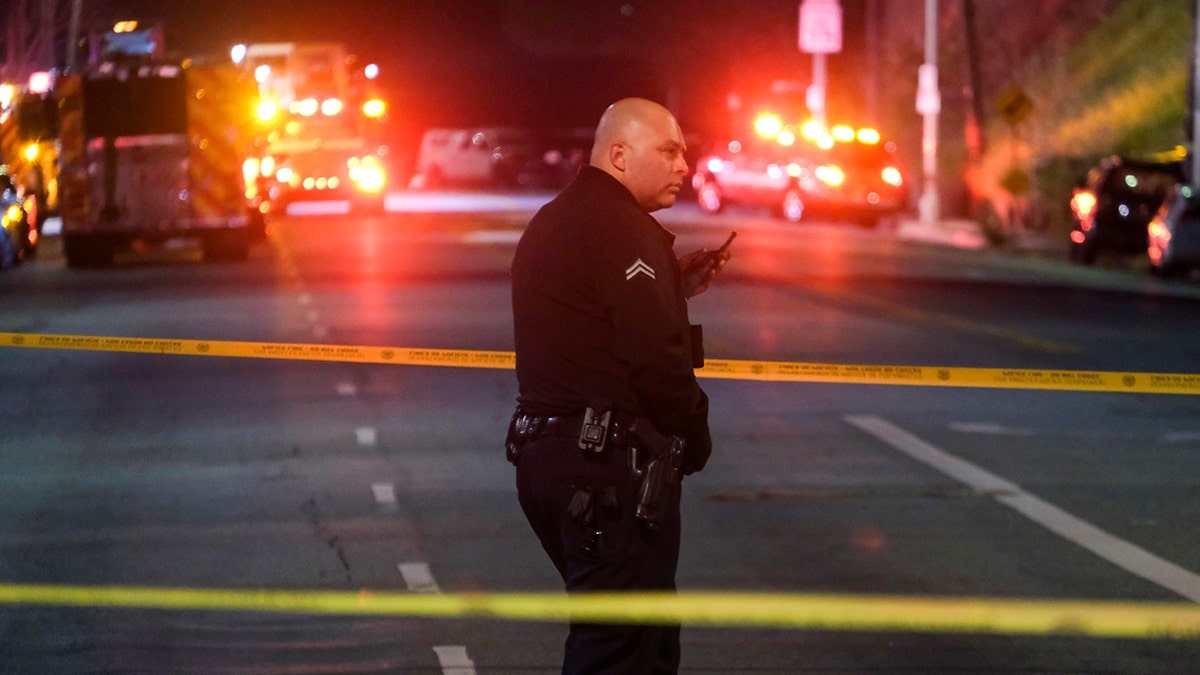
[(1015, 105)]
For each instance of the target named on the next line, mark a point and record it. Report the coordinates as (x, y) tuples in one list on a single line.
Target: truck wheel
[(226, 246), (792, 208), (86, 251)]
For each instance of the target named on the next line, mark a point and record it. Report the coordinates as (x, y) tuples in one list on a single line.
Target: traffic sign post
[(820, 26), (820, 34), (1014, 105)]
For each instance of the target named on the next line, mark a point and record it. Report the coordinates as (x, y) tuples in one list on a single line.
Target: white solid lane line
[(1119, 552)]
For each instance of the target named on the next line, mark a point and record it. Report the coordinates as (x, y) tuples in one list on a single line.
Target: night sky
[(536, 63)]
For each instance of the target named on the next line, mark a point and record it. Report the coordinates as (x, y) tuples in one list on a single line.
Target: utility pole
[(73, 34), (1194, 177)]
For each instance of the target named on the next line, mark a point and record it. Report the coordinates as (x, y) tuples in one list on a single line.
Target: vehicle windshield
[(860, 154), (137, 106), (1139, 182)]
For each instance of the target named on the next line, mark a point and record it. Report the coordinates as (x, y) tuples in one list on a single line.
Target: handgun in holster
[(662, 473)]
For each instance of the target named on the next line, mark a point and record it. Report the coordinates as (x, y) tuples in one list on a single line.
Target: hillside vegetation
[(1122, 89)]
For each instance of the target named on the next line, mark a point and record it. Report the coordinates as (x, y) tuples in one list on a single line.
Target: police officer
[(605, 359)]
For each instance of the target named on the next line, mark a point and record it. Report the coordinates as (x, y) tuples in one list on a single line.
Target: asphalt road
[(154, 470)]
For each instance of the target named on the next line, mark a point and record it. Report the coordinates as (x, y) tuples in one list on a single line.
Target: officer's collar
[(606, 181)]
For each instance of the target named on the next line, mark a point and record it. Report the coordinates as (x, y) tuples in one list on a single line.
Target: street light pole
[(928, 204)]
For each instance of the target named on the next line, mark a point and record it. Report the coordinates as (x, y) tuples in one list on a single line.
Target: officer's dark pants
[(625, 556)]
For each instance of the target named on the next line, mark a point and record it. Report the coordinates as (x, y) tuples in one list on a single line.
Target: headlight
[(331, 107), (267, 110), (12, 216), (374, 108), (368, 178), (831, 175)]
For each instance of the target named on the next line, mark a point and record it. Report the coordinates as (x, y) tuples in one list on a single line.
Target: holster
[(522, 428), (662, 473)]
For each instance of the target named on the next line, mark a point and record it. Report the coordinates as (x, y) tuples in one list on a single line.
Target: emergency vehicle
[(152, 152), (838, 172), (29, 146), (325, 123)]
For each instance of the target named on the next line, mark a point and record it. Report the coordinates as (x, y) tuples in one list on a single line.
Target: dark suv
[(1117, 201), (854, 180)]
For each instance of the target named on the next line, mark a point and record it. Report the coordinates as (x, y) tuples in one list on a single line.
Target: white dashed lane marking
[(385, 495), (367, 437), (454, 660), (418, 577)]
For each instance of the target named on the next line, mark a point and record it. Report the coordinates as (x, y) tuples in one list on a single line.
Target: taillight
[(891, 176), (1083, 204)]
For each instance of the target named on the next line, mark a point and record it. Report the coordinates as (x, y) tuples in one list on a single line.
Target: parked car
[(1116, 203), (855, 180), (476, 157), (18, 232), (1174, 233)]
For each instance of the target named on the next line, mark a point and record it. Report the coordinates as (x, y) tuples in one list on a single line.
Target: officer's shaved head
[(639, 143)]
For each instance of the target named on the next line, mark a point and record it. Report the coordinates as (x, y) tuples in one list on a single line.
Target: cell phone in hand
[(725, 246), (712, 258)]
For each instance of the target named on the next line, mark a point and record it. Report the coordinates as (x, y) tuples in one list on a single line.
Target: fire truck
[(325, 138), (153, 151)]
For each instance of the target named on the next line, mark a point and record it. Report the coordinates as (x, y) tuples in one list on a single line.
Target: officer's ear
[(616, 156)]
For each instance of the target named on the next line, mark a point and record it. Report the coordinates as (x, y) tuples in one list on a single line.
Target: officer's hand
[(700, 268)]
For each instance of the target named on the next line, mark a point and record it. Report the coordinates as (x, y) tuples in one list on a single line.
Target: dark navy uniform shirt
[(600, 314)]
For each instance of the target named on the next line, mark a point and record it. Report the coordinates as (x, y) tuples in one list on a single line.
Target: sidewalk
[(967, 234)]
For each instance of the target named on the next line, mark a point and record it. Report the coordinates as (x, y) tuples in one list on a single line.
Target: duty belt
[(620, 425), (594, 431)]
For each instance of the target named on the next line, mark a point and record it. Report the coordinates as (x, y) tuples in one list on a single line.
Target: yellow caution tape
[(933, 376), (1145, 620), (267, 350)]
